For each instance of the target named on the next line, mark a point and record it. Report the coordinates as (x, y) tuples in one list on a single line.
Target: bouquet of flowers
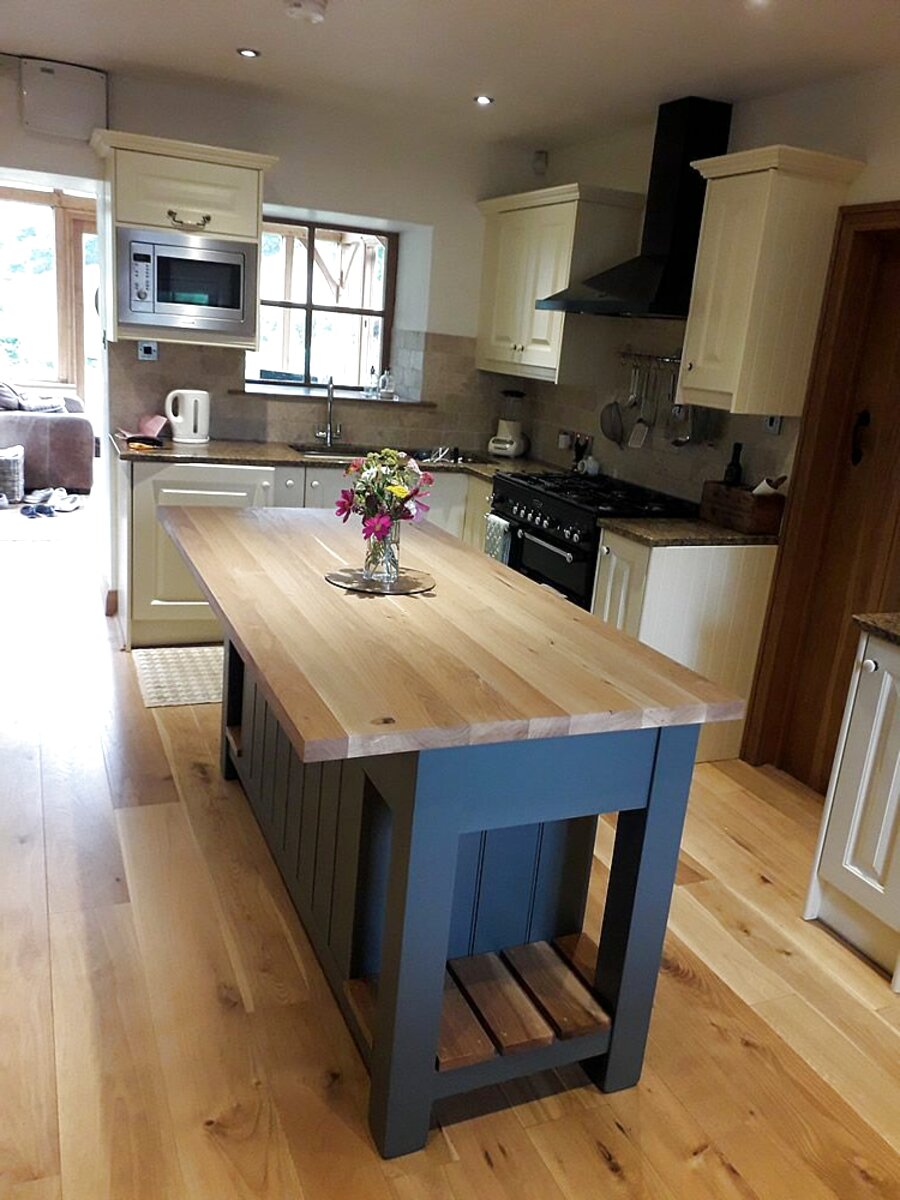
[(386, 487)]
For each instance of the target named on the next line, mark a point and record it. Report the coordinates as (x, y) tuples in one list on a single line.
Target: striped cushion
[(12, 473)]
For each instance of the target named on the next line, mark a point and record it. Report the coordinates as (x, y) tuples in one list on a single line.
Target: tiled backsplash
[(440, 369), (436, 368)]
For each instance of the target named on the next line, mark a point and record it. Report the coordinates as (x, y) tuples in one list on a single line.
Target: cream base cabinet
[(478, 505), (765, 244), (166, 607), (535, 244), (447, 499), (702, 606), (855, 886)]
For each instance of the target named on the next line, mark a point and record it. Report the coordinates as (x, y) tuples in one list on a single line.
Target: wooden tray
[(737, 508)]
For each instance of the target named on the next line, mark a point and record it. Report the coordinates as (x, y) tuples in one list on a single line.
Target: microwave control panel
[(141, 277)]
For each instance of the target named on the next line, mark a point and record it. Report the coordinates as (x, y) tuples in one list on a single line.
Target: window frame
[(287, 228), (73, 215)]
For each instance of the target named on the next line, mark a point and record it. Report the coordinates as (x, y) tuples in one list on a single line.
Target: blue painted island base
[(444, 893)]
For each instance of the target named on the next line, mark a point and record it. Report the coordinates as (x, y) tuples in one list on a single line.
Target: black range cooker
[(555, 517)]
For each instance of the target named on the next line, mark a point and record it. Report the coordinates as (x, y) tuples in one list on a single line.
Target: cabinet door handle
[(603, 550), (689, 366), (288, 483), (869, 665), (266, 483), (172, 214), (314, 483)]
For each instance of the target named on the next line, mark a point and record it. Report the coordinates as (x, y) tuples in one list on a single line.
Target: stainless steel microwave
[(186, 281)]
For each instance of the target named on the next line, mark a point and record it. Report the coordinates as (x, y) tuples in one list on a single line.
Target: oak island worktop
[(428, 771)]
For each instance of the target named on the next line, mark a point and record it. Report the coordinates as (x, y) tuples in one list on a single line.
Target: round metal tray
[(409, 583)]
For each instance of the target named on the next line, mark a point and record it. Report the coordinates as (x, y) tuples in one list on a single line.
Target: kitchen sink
[(339, 452)]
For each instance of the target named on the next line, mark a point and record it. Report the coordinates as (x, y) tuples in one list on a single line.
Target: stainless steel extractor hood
[(657, 283)]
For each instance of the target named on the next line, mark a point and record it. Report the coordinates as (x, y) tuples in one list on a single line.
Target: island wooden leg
[(411, 983), (641, 879), (232, 689)]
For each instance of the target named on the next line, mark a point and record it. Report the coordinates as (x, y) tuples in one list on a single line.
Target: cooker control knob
[(546, 522), (142, 294), (567, 534), (576, 536), (515, 510)]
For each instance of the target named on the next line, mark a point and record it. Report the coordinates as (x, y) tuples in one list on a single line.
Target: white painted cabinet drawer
[(149, 187)]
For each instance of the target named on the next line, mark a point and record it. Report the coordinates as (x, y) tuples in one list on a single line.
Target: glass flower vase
[(382, 563)]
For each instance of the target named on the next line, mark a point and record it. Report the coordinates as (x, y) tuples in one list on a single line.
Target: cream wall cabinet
[(160, 183), (179, 193), (855, 886), (165, 605), (703, 606), (762, 262), (535, 244)]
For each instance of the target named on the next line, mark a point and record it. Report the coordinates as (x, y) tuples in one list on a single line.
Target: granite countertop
[(883, 625), (679, 531), (280, 454)]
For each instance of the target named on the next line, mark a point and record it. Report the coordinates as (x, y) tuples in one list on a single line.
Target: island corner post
[(443, 882)]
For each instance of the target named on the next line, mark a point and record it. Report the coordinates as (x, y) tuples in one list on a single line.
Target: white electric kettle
[(188, 412)]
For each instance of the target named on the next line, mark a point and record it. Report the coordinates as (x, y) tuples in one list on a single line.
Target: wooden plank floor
[(166, 1034)]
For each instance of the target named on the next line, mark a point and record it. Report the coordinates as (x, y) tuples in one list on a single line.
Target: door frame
[(821, 445)]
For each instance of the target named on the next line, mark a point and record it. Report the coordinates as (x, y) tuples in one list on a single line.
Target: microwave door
[(201, 286)]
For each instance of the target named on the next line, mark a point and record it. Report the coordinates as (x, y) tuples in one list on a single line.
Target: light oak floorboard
[(229, 1138), (260, 924), (116, 1130), (29, 1146)]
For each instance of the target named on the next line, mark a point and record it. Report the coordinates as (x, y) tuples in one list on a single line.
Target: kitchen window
[(326, 305), (49, 273)]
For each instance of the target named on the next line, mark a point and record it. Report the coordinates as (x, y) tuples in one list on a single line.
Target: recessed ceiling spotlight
[(248, 52), (484, 101), (307, 10)]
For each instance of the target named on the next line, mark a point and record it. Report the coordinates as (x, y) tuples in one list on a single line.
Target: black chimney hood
[(658, 282)]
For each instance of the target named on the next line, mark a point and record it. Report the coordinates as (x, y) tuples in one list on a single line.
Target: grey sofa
[(59, 448)]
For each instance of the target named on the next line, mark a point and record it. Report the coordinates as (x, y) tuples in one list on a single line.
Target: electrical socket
[(147, 351), (773, 425)]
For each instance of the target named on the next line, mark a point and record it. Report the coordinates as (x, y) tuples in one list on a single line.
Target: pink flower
[(427, 478), (344, 506), (378, 527), (354, 466), (421, 508)]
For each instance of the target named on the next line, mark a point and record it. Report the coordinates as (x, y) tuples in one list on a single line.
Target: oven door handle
[(567, 555)]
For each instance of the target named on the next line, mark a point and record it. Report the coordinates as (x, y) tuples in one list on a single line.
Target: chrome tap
[(330, 432)]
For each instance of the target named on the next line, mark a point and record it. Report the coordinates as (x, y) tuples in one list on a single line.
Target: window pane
[(282, 345), (349, 269), (29, 340), (345, 346), (93, 334), (272, 255), (298, 269)]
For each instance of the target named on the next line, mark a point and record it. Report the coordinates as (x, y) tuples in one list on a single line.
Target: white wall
[(858, 115), (330, 160)]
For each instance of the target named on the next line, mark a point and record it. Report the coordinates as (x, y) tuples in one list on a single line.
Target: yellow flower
[(398, 490)]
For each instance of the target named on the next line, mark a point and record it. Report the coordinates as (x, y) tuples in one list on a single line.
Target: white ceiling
[(559, 69)]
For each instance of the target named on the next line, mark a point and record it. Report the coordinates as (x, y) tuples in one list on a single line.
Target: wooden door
[(840, 549)]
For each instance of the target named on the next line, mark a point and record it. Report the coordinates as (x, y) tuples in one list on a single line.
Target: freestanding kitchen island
[(428, 772)]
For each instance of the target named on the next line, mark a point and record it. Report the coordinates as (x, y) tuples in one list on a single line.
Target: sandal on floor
[(28, 510), (38, 496), (44, 510)]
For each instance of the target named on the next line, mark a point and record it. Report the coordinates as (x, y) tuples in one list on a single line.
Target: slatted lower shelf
[(519, 1000)]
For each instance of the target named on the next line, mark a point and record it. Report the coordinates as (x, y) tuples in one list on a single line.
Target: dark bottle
[(733, 472)]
